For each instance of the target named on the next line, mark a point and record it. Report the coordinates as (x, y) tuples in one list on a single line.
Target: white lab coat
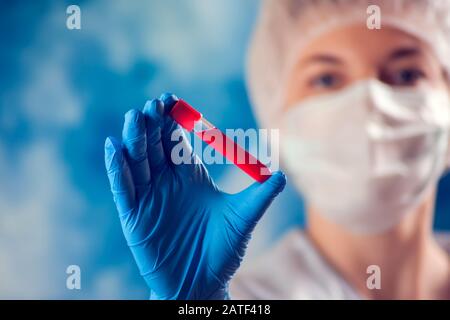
[(293, 269)]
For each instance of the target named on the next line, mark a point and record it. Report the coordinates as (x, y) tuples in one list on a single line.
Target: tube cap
[(185, 115)]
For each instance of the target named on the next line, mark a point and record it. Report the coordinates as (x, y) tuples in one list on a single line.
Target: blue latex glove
[(188, 238)]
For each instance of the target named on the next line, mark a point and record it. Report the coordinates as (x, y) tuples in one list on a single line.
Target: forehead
[(358, 43)]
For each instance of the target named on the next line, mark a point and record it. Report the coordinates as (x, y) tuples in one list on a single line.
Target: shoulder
[(292, 269), (265, 276)]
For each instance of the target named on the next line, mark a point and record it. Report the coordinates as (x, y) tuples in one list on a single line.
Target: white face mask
[(367, 155)]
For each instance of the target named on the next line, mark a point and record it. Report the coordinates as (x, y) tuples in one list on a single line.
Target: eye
[(406, 77), (325, 81)]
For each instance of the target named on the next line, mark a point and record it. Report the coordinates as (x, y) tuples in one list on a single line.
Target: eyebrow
[(324, 58), (404, 53), (397, 54)]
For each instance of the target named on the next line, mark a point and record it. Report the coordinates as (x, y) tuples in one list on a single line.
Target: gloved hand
[(188, 238)]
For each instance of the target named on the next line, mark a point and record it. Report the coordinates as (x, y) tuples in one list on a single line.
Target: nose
[(367, 72)]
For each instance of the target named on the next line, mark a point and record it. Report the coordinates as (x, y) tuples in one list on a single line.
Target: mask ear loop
[(447, 159), (446, 76)]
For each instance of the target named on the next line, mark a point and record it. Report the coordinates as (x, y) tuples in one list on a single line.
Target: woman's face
[(353, 53)]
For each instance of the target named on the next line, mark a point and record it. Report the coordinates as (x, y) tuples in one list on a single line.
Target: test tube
[(193, 121)]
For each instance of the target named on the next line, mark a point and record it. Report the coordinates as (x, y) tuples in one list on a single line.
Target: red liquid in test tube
[(189, 118)]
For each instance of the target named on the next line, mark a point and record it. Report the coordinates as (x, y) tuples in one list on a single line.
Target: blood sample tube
[(193, 121)]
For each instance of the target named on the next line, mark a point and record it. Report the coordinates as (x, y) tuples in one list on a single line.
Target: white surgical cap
[(284, 26)]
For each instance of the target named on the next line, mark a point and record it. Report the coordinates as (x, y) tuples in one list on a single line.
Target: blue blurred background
[(63, 91)]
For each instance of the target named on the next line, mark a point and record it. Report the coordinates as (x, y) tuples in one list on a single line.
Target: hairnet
[(284, 26)]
